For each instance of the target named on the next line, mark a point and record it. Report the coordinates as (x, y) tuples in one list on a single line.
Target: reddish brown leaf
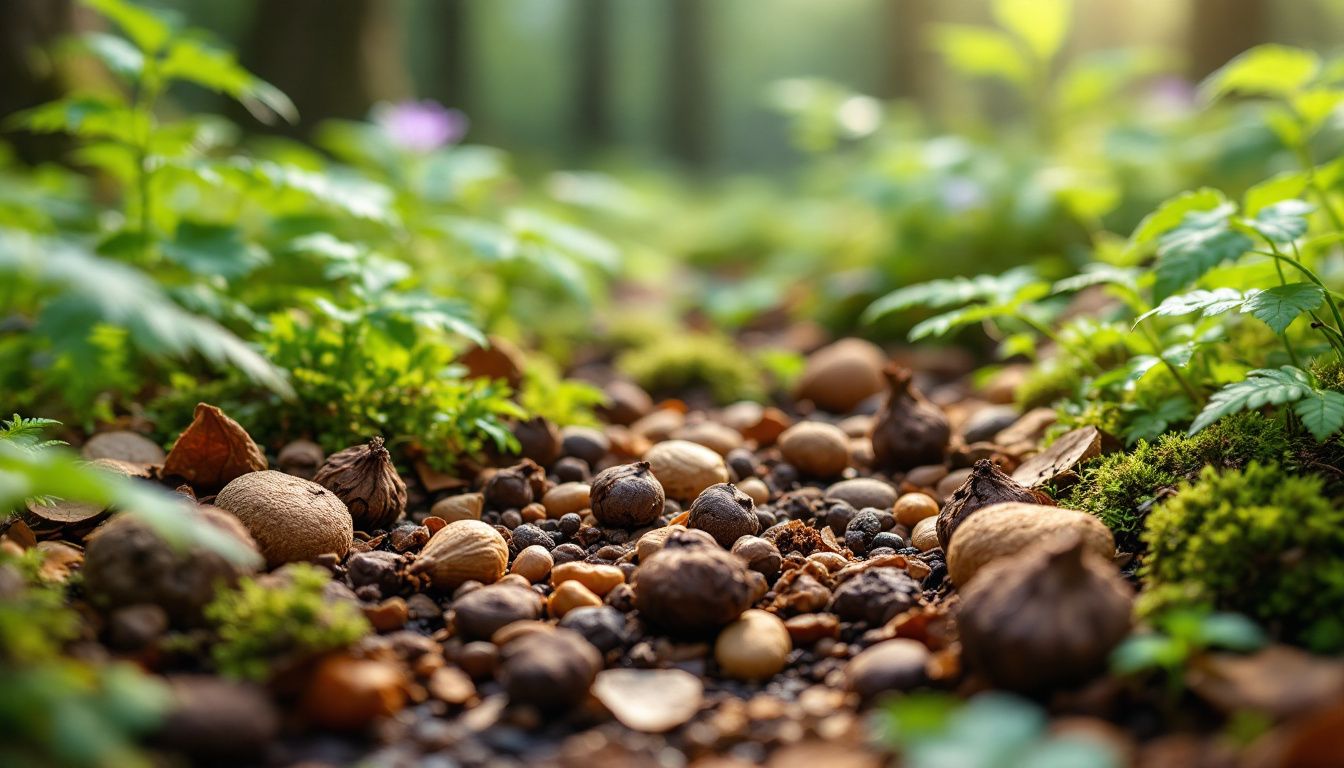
[(1060, 459), (213, 450), (1280, 681)]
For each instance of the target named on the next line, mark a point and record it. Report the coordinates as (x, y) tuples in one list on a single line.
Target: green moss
[(259, 626), (1329, 372), (1120, 487), (677, 365), (1258, 541)]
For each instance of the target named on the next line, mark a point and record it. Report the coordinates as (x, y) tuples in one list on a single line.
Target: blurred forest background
[(579, 82)]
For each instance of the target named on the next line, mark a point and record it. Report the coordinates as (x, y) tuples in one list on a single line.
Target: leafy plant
[(259, 625), (991, 730), (29, 433), (1177, 638), (58, 711)]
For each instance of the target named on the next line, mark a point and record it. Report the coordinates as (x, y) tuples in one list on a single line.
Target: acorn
[(909, 430), (1046, 620), (364, 478), (626, 496), (987, 485)]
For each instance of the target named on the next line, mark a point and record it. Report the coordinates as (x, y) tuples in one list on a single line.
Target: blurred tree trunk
[(907, 25), (451, 83), (1218, 30), (28, 76), (592, 98), (688, 83), (332, 57)]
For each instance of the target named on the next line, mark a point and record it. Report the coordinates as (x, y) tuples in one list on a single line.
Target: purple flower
[(1171, 95), (420, 126)]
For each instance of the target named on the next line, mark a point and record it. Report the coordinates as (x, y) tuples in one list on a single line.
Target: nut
[(301, 458), (685, 469), (1001, 530), (363, 477), (910, 508), (725, 513), (863, 492), (290, 518), (909, 430), (987, 485), (122, 446), (627, 496), (466, 506), (551, 671), (467, 550), (841, 375), (481, 613), (691, 586), (565, 498), (754, 647), (925, 534), (534, 563), (569, 595), (600, 579), (1048, 619), (815, 449)]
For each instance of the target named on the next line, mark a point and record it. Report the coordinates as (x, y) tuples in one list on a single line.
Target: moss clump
[(686, 363), (1257, 541), (1329, 372), (1121, 487), (261, 625)]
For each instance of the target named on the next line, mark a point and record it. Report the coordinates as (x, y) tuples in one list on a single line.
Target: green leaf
[(1202, 241), (982, 52), (1172, 211), (86, 116), (1097, 274), (1142, 652), (1230, 631), (1266, 70), (1282, 222), (217, 70), (1279, 306), (1282, 186), (89, 291), (214, 249), (1264, 386), (945, 293), (1207, 303), (147, 30), (1322, 413), (119, 56), (1041, 24)]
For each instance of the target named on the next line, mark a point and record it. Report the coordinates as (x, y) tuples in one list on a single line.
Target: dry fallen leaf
[(1280, 681), (213, 450), (1059, 460), (650, 700)]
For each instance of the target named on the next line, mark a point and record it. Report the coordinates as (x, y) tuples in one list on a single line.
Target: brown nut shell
[(467, 550), (291, 519), (364, 478)]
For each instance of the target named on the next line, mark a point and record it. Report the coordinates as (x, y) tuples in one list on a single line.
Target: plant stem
[(1287, 344), (1054, 338), (1156, 344), (1299, 266)]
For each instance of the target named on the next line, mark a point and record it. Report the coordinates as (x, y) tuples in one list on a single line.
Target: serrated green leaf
[(1265, 70), (1279, 306), (945, 293), (1264, 386), (1172, 211), (214, 249), (981, 52), (1207, 303), (1202, 241), (1282, 222), (147, 30), (1041, 24), (89, 290), (1322, 413), (1097, 274)]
